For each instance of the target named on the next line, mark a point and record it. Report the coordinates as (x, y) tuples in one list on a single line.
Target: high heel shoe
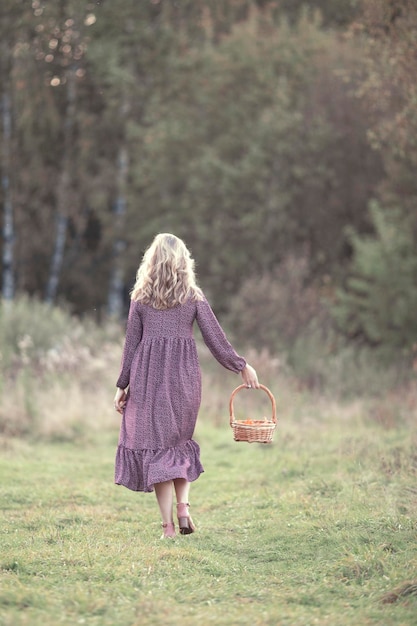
[(184, 519), (169, 530)]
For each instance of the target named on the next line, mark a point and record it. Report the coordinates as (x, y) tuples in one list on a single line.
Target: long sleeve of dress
[(216, 340), (132, 339)]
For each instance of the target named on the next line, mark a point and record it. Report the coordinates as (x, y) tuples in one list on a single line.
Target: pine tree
[(378, 303)]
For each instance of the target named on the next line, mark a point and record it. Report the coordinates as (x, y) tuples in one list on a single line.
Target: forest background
[(279, 139)]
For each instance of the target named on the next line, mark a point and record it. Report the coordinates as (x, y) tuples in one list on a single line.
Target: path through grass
[(319, 528)]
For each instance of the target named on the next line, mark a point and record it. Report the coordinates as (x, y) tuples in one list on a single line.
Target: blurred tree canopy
[(259, 131)]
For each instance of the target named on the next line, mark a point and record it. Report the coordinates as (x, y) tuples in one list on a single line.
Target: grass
[(318, 528)]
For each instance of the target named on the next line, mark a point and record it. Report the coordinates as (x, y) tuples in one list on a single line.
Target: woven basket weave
[(253, 430)]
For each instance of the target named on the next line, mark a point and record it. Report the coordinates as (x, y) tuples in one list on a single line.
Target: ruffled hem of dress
[(139, 470)]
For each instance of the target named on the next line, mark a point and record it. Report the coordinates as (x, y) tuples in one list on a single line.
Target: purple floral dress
[(161, 367)]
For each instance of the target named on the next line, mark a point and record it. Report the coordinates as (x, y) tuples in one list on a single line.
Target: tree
[(6, 168), (265, 170), (64, 37), (9, 32), (387, 36), (253, 129), (339, 13), (378, 303)]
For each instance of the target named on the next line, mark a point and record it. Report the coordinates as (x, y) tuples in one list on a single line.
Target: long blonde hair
[(166, 276)]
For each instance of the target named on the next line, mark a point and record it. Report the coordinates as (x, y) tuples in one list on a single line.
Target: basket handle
[(271, 397)]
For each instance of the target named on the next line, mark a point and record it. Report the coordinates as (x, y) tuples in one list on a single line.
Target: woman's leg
[(182, 489), (164, 496)]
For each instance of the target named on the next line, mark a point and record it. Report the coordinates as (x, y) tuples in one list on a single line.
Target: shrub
[(273, 310), (57, 371), (283, 313)]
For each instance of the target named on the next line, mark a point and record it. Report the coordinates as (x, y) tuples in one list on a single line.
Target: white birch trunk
[(8, 225), (63, 192), (117, 276)]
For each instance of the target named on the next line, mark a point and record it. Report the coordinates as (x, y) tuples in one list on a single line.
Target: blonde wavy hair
[(166, 276)]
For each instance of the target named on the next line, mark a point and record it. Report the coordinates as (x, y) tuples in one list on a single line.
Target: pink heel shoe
[(185, 521), (169, 531)]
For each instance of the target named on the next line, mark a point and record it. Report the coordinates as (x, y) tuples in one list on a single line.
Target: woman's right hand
[(249, 376), (120, 400)]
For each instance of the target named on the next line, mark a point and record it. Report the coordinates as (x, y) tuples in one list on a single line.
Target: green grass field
[(317, 528)]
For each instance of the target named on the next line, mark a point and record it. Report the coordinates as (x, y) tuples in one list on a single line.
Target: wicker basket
[(253, 430)]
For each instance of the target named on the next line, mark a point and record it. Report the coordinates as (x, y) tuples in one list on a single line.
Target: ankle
[(185, 521), (169, 530)]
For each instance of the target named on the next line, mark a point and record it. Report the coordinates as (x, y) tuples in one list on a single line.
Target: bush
[(273, 310), (29, 328), (292, 319), (57, 372)]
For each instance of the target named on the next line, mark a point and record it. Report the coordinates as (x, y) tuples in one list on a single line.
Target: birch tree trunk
[(63, 191), (6, 166), (117, 277)]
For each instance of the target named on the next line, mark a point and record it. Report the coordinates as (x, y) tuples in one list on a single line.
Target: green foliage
[(245, 160), (387, 88), (256, 130), (379, 301), (229, 142)]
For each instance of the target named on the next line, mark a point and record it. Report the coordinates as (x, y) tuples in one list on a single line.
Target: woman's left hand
[(120, 400)]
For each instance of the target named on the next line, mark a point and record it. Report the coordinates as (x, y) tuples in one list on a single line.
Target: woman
[(159, 386)]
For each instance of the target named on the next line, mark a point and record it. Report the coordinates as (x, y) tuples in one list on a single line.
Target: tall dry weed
[(57, 373), (62, 387)]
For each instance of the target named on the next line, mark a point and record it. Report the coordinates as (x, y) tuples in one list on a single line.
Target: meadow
[(319, 527)]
